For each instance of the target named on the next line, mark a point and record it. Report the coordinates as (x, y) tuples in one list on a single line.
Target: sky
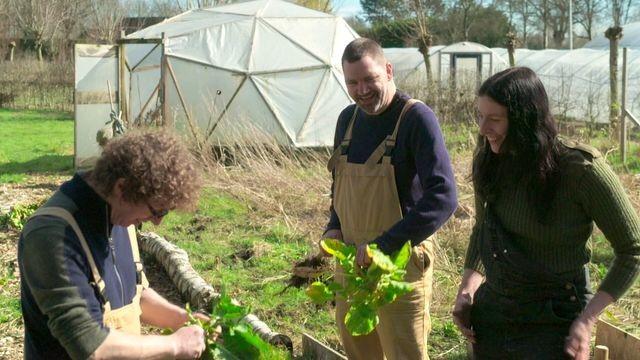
[(347, 8)]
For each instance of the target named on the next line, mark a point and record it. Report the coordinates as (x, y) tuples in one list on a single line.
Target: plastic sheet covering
[(141, 82), (95, 67), (276, 87), (408, 63), (319, 127), (217, 46), (207, 91), (577, 81), (264, 62)]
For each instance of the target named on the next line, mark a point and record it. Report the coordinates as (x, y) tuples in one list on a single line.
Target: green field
[(35, 142)]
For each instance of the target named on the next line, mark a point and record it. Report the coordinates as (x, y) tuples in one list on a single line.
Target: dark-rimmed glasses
[(158, 214)]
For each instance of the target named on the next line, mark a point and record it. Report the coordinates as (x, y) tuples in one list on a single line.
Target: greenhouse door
[(466, 68), (141, 76), (96, 95)]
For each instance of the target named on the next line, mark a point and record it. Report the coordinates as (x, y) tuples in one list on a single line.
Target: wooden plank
[(314, 349), (601, 352), (621, 344), (95, 97)]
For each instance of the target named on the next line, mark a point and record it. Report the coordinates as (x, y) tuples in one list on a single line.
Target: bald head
[(359, 48)]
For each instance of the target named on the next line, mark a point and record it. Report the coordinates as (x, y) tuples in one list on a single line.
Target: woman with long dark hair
[(525, 292)]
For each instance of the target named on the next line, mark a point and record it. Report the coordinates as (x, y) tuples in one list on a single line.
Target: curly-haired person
[(84, 294)]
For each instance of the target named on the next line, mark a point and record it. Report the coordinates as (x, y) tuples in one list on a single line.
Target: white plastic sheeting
[(96, 69), (262, 66), (630, 38), (471, 60), (577, 81)]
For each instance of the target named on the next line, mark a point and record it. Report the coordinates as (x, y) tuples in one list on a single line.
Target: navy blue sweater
[(61, 310), (424, 177)]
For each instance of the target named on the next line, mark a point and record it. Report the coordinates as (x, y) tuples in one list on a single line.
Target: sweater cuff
[(385, 245), (87, 342), (620, 278)]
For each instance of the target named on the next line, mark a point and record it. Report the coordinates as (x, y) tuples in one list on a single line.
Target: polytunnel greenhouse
[(577, 81)]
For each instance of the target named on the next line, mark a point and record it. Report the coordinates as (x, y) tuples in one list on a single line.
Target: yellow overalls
[(126, 318), (365, 198)]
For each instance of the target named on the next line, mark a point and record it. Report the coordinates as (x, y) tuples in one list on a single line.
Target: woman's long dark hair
[(530, 152)]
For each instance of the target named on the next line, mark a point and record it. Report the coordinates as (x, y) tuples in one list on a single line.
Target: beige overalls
[(365, 198), (126, 318)]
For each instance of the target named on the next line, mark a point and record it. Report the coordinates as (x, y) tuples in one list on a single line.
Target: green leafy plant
[(364, 290), (236, 340), (18, 215)]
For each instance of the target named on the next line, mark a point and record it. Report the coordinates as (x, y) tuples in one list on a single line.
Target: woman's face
[(493, 122)]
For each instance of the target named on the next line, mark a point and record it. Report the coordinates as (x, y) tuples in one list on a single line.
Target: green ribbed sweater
[(589, 191)]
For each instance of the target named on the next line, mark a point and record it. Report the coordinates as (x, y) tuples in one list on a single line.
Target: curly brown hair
[(156, 167)]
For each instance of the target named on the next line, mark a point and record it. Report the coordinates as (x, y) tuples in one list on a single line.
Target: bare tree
[(587, 13), (542, 11), (39, 20), (559, 21), (105, 19), (619, 14), (423, 10), (320, 5)]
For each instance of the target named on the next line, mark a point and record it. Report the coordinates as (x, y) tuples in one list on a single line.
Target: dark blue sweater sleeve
[(435, 181)]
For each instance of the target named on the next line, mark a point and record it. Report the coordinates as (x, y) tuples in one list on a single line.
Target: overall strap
[(98, 282), (133, 238), (343, 148), (386, 147)]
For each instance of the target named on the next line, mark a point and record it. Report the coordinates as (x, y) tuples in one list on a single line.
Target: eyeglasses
[(158, 214)]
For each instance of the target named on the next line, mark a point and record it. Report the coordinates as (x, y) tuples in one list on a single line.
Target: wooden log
[(193, 288), (175, 262), (601, 352), (314, 349)]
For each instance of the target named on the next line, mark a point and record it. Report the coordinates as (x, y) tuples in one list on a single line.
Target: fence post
[(12, 47), (623, 110)]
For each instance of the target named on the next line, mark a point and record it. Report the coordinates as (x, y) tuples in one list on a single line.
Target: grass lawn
[(34, 142)]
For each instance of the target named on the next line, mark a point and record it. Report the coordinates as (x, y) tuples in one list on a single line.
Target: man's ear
[(389, 69), (118, 188)]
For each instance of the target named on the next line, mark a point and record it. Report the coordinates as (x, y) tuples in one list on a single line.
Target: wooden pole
[(623, 108), (163, 81), (601, 352), (122, 93)]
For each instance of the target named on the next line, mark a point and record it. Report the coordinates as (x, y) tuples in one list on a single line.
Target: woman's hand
[(577, 343), (462, 315), (469, 284)]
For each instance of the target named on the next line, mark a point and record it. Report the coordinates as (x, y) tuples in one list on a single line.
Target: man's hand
[(362, 256), (462, 315), (330, 234), (188, 342), (577, 343)]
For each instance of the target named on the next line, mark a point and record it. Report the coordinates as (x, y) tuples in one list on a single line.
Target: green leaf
[(393, 290), (361, 320), (380, 260), (338, 249), (319, 292), (401, 257)]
